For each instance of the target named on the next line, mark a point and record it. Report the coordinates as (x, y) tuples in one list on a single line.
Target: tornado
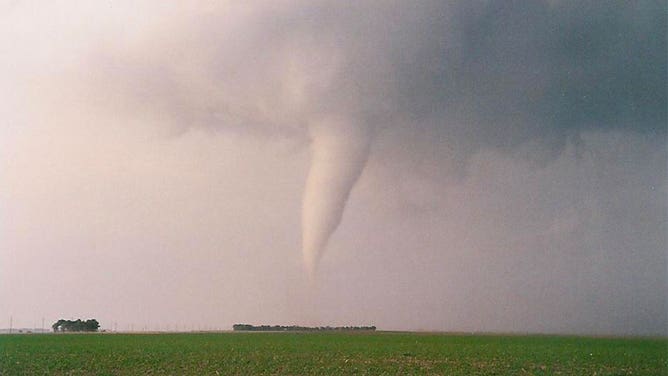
[(339, 151)]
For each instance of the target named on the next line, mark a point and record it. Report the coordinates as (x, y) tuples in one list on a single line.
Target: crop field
[(368, 353)]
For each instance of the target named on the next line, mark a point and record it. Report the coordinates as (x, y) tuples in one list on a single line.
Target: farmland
[(380, 353)]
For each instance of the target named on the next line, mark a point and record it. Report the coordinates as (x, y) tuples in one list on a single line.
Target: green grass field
[(328, 353)]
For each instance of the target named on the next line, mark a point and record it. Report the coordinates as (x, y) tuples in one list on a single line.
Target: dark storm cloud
[(518, 71), (491, 74)]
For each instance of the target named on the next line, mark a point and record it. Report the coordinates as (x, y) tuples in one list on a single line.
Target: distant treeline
[(77, 325), (295, 328)]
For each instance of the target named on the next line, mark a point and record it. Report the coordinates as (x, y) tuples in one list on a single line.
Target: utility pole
[(42, 324), (11, 323)]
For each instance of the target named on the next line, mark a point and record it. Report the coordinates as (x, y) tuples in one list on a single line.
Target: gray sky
[(461, 166)]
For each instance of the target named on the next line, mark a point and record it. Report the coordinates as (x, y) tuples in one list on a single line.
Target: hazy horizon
[(441, 166)]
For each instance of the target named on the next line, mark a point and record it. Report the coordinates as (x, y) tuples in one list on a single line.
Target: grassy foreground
[(327, 353)]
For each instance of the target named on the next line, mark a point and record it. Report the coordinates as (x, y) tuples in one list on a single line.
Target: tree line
[(77, 325), (295, 328)]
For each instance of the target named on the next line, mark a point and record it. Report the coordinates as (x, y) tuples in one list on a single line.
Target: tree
[(58, 325), (92, 325), (77, 325)]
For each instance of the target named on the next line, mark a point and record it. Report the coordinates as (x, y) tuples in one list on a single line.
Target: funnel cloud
[(340, 149)]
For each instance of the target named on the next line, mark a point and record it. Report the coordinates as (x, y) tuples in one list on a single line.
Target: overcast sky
[(435, 165)]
